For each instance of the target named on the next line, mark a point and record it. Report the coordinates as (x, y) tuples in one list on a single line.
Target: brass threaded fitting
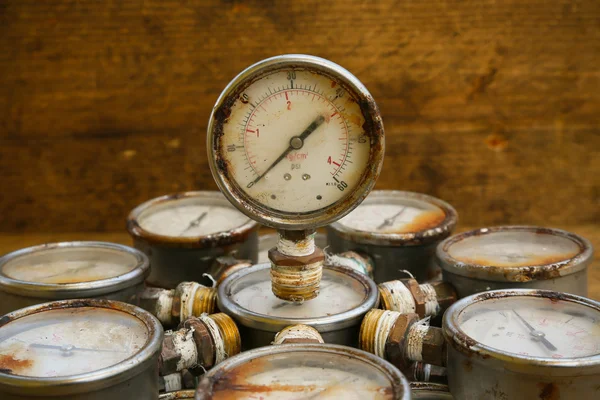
[(296, 283), (368, 328), (229, 332), (205, 301), (298, 334)]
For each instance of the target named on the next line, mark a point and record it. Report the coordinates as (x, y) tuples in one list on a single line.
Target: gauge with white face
[(514, 248), (533, 326), (292, 137), (66, 342), (303, 372), (70, 263), (339, 293)]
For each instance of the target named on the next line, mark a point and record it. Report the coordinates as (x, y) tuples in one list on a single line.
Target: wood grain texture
[(493, 106)]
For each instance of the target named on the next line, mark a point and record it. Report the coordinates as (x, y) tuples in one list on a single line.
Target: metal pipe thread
[(230, 335), (296, 283), (298, 334), (375, 329), (205, 301), (395, 296)]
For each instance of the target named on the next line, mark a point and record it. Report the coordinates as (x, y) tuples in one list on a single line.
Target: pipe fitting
[(298, 334), (408, 296)]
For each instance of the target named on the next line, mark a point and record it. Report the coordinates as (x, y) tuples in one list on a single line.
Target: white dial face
[(534, 327), (303, 375), (190, 218), (294, 141), (70, 265), (513, 249), (66, 342), (339, 293), (406, 216)]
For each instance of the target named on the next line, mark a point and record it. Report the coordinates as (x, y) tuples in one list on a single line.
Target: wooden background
[(493, 106)]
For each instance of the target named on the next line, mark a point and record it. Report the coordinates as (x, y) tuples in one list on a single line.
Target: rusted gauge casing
[(487, 369), (403, 244), (430, 391), (184, 256), (515, 257), (79, 350), (71, 270), (336, 313), (304, 371)]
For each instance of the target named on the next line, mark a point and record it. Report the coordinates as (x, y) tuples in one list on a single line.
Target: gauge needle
[(541, 336), (390, 221), (296, 143), (68, 348), (194, 223)]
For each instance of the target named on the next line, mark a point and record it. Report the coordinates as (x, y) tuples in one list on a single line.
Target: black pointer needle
[(541, 336), (296, 143)]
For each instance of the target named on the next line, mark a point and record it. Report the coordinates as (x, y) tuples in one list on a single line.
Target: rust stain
[(333, 84), (496, 142), (530, 262), (423, 222), (10, 365), (548, 391)]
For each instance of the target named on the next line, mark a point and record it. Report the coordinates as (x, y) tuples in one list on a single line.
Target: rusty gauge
[(184, 233), (515, 257), (294, 371), (84, 349), (523, 344), (295, 142), (346, 296), (398, 230), (71, 270)]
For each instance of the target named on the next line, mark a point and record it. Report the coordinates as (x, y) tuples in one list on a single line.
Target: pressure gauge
[(430, 391), (184, 233), (84, 349), (523, 344), (515, 257), (269, 240), (295, 142), (398, 230), (346, 295), (71, 270), (292, 371)]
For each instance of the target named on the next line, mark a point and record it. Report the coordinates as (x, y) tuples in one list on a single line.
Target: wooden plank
[(493, 106)]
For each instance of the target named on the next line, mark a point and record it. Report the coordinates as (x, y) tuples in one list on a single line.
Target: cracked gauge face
[(534, 326), (298, 140), (66, 342)]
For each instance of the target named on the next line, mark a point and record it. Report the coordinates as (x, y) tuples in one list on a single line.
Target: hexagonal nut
[(434, 347), (204, 343), (169, 357), (225, 266), (395, 346), (417, 294), (278, 258)]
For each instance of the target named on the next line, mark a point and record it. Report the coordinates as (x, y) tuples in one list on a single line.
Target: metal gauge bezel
[(440, 232), (398, 383), (460, 341), (178, 395), (515, 273), (274, 324), (89, 381), (216, 239), (78, 289), (430, 391), (287, 220)]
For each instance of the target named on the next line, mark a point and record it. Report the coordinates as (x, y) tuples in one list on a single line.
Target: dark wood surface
[(493, 106)]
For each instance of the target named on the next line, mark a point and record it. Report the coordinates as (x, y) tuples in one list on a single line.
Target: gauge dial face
[(291, 138), (190, 217), (533, 327), (513, 249), (62, 265), (66, 342), (400, 216), (339, 293), (304, 375)]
